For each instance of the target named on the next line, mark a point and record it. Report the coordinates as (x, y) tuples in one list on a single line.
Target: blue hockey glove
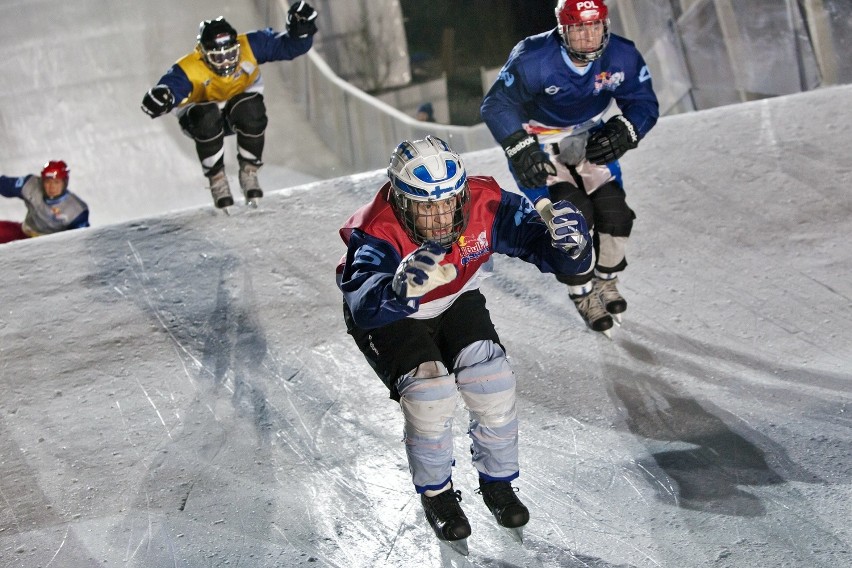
[(301, 20), (158, 101), (420, 272), (612, 141), (530, 163), (567, 227)]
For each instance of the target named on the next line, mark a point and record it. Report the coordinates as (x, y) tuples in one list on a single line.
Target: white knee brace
[(428, 401), (487, 383)]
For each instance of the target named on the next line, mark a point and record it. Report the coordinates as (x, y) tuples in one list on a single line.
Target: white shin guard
[(487, 384), (428, 401)]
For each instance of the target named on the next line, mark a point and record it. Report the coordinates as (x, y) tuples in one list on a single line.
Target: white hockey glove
[(420, 272), (567, 226)]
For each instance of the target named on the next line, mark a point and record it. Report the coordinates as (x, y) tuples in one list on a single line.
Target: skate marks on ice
[(724, 463)]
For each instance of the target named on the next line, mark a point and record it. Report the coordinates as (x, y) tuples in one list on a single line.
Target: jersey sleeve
[(519, 232), (365, 280), (177, 82), (12, 186), (81, 221), (269, 45), (502, 108), (636, 97)]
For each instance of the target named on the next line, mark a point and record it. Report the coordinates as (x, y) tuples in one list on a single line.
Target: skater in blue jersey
[(567, 105), (217, 90), (410, 280)]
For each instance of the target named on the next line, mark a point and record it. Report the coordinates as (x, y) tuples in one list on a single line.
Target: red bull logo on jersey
[(608, 81), (473, 248), (58, 215)]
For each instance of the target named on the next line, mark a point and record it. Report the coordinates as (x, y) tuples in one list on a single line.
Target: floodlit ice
[(178, 389)]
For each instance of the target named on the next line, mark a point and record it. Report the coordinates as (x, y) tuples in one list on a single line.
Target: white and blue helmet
[(426, 173)]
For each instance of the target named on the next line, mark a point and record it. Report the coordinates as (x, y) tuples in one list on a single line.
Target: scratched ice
[(179, 390)]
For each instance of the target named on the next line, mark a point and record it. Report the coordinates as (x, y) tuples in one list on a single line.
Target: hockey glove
[(530, 163), (617, 136), (301, 20), (420, 272), (158, 101), (567, 227)]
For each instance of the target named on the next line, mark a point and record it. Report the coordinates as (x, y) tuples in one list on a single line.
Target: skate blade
[(608, 333), (253, 202), (459, 546), (617, 319), (517, 534)]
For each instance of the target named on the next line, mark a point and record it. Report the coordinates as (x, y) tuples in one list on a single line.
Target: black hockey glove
[(617, 136), (301, 20), (158, 101), (531, 163), (421, 272)]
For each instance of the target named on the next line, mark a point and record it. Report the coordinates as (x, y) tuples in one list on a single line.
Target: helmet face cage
[(429, 192), (217, 41), (585, 21)]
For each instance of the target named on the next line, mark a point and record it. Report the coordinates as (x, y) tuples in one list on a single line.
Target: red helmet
[(571, 13), (55, 169)]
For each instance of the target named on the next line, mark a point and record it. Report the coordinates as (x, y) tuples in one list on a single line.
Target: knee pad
[(203, 122), (428, 400), (487, 384), (612, 215), (247, 114), (577, 197)]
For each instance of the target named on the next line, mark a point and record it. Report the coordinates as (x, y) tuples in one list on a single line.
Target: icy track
[(179, 391)]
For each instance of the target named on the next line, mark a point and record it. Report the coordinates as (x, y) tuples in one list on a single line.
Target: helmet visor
[(223, 58)]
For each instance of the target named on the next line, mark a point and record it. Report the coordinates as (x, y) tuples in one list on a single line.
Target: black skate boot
[(594, 313), (248, 181), (613, 301), (220, 190), (445, 515), (501, 500)]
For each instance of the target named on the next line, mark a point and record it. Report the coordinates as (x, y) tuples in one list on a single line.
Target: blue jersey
[(500, 222), (190, 80), (540, 83)]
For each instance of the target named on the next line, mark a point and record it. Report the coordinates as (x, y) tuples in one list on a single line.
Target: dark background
[(460, 37)]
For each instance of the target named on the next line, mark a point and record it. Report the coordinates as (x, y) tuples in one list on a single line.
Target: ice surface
[(179, 389)]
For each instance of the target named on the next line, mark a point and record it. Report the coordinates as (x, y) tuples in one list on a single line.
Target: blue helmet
[(429, 191)]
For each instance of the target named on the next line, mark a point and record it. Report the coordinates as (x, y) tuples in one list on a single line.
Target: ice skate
[(220, 190), (501, 500), (612, 300), (447, 519), (594, 313), (248, 182)]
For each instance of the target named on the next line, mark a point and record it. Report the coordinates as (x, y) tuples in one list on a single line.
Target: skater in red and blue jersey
[(51, 208), (217, 90), (410, 280), (567, 105)]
